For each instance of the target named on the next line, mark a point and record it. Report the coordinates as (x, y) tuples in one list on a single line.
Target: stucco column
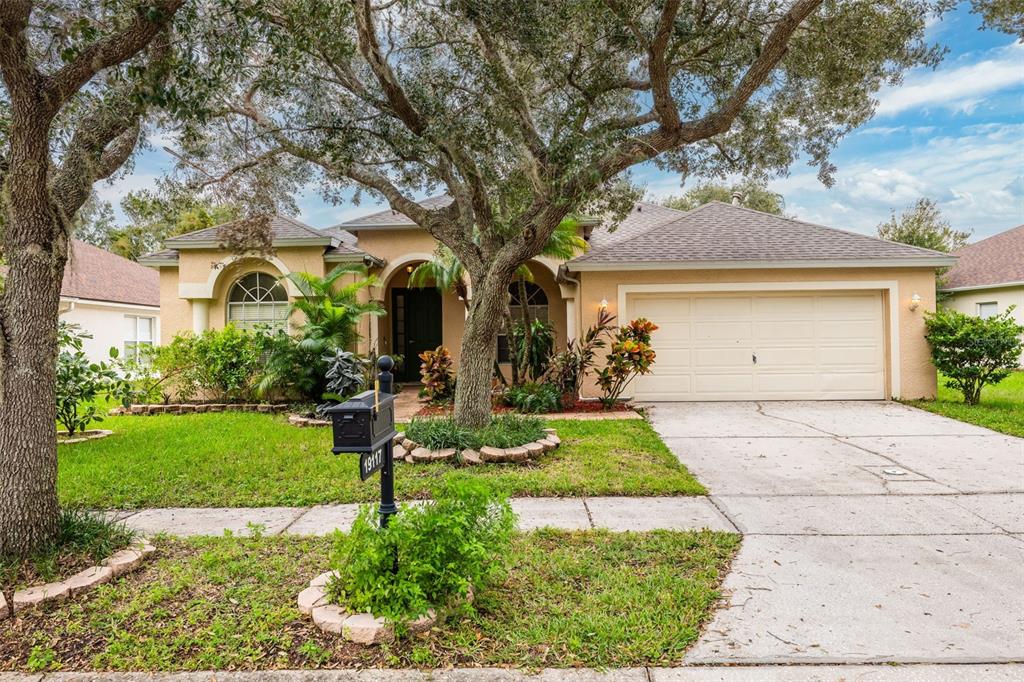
[(200, 315)]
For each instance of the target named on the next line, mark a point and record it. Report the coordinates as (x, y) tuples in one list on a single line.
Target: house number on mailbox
[(371, 462)]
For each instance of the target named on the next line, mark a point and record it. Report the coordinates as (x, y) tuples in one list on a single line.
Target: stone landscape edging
[(358, 628), (121, 562), (82, 436), (409, 451), (194, 408)]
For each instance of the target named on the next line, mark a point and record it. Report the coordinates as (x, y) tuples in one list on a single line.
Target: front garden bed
[(230, 604), (64, 438), (195, 408)]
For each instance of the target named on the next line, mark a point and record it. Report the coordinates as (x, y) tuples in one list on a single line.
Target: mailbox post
[(365, 424)]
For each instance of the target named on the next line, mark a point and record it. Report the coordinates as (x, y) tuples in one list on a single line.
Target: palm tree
[(332, 312), (445, 272)]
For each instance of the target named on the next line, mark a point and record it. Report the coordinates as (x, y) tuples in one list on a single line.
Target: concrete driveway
[(873, 532)]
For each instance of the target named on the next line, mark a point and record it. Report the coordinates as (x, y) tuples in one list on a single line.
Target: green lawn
[(247, 460), (569, 599), (1001, 407)]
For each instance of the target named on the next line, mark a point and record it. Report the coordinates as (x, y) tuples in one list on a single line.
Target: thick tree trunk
[(479, 342), (35, 245)]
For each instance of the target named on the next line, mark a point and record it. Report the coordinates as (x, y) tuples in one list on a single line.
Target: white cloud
[(974, 176), (959, 88)]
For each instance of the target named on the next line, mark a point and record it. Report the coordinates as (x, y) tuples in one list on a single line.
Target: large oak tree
[(526, 111), (79, 78)]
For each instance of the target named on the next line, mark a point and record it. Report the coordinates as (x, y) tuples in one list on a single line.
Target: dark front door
[(415, 327)]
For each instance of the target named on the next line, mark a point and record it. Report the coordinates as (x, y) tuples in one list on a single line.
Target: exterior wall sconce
[(915, 302), (604, 304), (409, 269)]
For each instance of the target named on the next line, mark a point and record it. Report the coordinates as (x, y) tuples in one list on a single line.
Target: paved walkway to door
[(873, 532)]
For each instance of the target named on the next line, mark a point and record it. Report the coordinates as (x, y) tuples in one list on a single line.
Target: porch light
[(604, 304), (408, 269), (915, 301)]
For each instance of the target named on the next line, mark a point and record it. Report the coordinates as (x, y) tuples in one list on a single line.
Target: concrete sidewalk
[(838, 673), (578, 513)]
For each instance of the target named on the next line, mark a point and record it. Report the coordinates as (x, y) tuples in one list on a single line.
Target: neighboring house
[(114, 299), (989, 277), (750, 305)]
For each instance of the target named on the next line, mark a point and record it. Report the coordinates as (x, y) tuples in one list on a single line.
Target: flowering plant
[(631, 355)]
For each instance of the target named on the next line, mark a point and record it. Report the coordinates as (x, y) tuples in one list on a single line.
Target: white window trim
[(891, 286), (979, 304), (135, 340)]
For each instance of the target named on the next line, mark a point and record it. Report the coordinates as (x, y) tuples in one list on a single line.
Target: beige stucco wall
[(967, 302), (216, 270), (917, 374)]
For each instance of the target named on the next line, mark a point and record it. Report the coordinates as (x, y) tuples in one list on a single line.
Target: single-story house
[(114, 299), (988, 277), (749, 305)]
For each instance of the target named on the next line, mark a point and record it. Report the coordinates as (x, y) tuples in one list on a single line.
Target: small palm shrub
[(631, 355), (972, 352), (503, 431), (428, 556), (437, 372), (534, 398)]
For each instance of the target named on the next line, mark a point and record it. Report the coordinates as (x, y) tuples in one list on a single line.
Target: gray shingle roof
[(717, 232), (281, 227), (391, 218), (99, 275), (989, 262), (643, 217)]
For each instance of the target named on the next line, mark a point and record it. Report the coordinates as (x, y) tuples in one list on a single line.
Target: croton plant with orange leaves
[(631, 355)]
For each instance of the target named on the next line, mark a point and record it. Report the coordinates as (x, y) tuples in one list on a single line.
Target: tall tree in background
[(1003, 15), (923, 225), (525, 112), (753, 195)]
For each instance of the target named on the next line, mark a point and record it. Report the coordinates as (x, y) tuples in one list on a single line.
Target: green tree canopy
[(923, 225), (753, 195)]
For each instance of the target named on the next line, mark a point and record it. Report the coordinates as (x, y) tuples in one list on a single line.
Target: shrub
[(972, 352), (428, 556), (79, 382), (569, 367), (533, 353), (222, 364), (534, 398), (346, 375), (503, 431), (438, 375), (291, 370), (631, 356)]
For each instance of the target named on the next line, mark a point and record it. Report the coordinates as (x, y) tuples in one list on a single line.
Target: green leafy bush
[(631, 356), (222, 364), (533, 351), (79, 382), (534, 398), (504, 431), (291, 370), (428, 556), (973, 352), (568, 368), (437, 370)]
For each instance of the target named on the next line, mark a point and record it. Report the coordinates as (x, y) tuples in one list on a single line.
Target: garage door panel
[(717, 358), (770, 358), (723, 330), (791, 306), (666, 309), (724, 383), (773, 330), (722, 307), (820, 345)]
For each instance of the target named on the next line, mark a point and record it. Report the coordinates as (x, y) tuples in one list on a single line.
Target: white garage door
[(772, 346)]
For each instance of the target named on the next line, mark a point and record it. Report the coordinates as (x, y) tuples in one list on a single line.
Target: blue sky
[(954, 134)]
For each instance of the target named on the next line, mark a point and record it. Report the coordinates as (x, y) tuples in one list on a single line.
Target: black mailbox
[(363, 422)]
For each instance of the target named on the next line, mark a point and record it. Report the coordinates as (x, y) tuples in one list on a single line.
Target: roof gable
[(999, 259), (283, 230), (721, 233)]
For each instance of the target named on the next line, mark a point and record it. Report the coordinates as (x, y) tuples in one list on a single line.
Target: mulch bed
[(588, 407)]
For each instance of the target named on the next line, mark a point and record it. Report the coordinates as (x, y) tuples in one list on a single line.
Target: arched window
[(536, 301), (258, 299)]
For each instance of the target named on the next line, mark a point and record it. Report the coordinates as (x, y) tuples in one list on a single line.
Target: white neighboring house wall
[(980, 301), (121, 325)]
